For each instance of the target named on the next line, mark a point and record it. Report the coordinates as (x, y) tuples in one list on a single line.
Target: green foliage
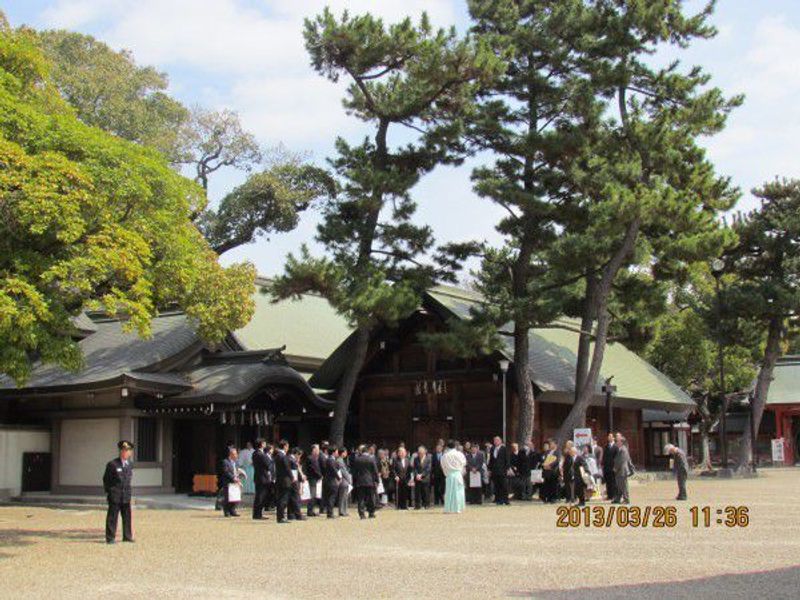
[(685, 349), (401, 74), (90, 220), (268, 201), (766, 261), (109, 90)]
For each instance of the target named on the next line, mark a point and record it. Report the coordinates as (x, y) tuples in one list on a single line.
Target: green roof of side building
[(553, 358), (310, 327), (785, 386)]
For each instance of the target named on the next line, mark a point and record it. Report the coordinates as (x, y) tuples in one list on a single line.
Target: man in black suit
[(402, 470), (499, 466), (437, 475), (535, 460), (365, 477), (262, 476), (117, 484), (283, 479), (331, 477), (422, 479), (579, 468), (313, 471), (475, 464), (295, 509), (609, 454)]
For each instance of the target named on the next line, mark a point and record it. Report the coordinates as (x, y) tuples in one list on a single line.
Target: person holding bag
[(230, 484)]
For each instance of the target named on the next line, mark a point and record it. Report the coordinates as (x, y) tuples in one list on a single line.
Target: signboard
[(777, 451), (581, 437)]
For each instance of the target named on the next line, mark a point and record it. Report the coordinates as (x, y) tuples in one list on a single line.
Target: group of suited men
[(331, 474), (279, 475)]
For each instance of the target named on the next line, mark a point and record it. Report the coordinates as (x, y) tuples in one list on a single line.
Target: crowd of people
[(327, 479)]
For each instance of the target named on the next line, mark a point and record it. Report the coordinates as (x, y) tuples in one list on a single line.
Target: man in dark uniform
[(117, 485), (365, 477), (262, 476)]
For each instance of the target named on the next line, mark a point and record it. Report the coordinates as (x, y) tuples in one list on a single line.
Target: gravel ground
[(487, 552)]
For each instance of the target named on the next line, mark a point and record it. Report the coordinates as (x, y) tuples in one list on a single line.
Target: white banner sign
[(581, 437), (777, 451)]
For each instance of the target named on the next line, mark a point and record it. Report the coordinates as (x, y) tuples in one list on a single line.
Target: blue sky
[(247, 55)]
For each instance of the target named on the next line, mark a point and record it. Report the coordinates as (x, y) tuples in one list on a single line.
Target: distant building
[(407, 393), (783, 401)]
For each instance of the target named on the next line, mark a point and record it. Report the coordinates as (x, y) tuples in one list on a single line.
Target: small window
[(147, 440)]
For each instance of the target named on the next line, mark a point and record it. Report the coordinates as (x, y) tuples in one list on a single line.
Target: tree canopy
[(109, 90), (91, 220)]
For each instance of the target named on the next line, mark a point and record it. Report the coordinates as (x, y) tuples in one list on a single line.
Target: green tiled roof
[(309, 327), (553, 357), (785, 386)]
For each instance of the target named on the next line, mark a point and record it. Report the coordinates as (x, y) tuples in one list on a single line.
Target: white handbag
[(234, 492)]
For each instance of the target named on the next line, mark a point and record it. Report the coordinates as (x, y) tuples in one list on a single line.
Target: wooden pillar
[(166, 452)]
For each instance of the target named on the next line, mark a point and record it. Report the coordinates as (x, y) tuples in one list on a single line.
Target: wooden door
[(36, 471)]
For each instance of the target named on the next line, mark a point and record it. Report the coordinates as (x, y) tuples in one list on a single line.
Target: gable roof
[(309, 328), (785, 385), (552, 359)]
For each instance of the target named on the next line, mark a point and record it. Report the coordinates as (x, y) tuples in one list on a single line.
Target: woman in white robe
[(454, 464)]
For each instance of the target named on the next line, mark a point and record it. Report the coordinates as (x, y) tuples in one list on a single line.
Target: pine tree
[(765, 293), (649, 197), (407, 77), (528, 120)]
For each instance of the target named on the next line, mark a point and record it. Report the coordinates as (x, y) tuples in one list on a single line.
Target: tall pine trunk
[(585, 339), (367, 237), (577, 415), (348, 385), (772, 352), (522, 375)]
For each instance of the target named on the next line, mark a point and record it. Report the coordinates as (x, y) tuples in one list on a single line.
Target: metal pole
[(723, 418), (609, 412), (504, 406)]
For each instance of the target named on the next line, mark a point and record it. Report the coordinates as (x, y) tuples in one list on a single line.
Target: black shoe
[(111, 542), (331, 517), (262, 518), (301, 519), (362, 516), (282, 522), (372, 516), (235, 514), (129, 541)]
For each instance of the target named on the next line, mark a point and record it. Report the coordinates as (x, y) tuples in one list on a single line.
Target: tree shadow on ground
[(16, 538), (775, 583)]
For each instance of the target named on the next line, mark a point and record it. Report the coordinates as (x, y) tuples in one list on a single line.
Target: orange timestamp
[(655, 517)]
